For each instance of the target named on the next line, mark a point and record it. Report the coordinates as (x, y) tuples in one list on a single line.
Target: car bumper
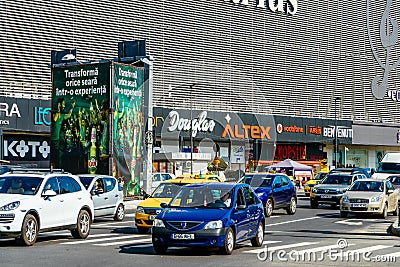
[(11, 223), (332, 198), (373, 208), (202, 238), (144, 220)]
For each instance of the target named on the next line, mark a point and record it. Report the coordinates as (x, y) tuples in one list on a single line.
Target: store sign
[(289, 129), (26, 148), (7, 111), (342, 132), (295, 152), (246, 131), (283, 6), (199, 124)]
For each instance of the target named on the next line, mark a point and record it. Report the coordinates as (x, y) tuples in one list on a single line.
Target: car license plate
[(325, 196), (182, 236), (358, 205), (152, 217)]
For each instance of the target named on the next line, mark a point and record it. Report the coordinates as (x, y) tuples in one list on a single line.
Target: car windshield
[(86, 181), (386, 167), (371, 186), (20, 185), (166, 190), (320, 176), (337, 179), (395, 180), (202, 197), (258, 180)]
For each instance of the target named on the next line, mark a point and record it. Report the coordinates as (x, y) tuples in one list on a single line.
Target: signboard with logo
[(25, 148), (80, 118), (295, 129), (20, 114), (127, 134)]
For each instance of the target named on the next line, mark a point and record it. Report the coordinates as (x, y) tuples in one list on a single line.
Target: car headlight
[(158, 223), (10, 206), (213, 225), (339, 191), (345, 199), (376, 199), (140, 209), (314, 190)]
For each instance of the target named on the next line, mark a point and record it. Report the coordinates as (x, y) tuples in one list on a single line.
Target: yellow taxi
[(207, 176), (148, 209), (310, 184)]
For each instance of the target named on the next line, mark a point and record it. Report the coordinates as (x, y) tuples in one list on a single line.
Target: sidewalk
[(395, 228), (131, 203)]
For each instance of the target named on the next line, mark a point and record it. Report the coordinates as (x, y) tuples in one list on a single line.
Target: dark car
[(332, 187), (276, 191), (218, 215), (355, 170), (395, 180)]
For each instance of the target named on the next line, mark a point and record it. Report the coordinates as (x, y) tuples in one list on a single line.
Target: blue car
[(217, 215), (275, 190)]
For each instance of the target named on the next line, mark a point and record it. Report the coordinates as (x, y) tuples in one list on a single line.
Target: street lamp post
[(336, 132)]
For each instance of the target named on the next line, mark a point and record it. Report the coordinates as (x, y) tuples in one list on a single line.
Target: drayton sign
[(284, 6)]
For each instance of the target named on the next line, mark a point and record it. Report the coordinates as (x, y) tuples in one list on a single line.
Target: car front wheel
[(29, 231), (82, 229), (258, 240), (120, 213), (229, 243), (384, 212), (292, 207), (269, 207)]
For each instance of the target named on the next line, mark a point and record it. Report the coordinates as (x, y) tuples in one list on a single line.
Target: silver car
[(332, 187), (108, 198), (373, 196)]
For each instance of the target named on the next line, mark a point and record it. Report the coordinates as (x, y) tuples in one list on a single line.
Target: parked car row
[(41, 200)]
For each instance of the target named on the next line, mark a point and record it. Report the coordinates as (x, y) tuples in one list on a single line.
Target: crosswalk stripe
[(256, 251), (124, 242), (320, 249), (111, 223), (367, 249), (97, 240)]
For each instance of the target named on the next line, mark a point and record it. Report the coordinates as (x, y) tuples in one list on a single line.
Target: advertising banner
[(80, 118), (26, 148), (128, 123)]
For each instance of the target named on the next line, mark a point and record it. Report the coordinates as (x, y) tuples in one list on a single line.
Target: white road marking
[(293, 221), (327, 248), (269, 249), (363, 250), (124, 242), (350, 222), (97, 240)]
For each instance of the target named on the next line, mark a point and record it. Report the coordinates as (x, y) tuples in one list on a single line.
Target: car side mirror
[(277, 185), (390, 191), (164, 205), (146, 196), (241, 207), (49, 193)]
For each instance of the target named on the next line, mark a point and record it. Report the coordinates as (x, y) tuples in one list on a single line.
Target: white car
[(108, 197), (159, 177), (40, 201)]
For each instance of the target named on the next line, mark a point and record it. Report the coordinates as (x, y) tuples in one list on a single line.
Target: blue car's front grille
[(183, 225)]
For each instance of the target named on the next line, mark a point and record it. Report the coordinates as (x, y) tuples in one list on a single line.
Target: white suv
[(33, 201)]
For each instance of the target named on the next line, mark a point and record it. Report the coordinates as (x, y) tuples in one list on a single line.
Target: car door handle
[(116, 195), (106, 198), (61, 200), (79, 198)]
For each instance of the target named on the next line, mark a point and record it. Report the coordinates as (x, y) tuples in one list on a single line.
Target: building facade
[(286, 58)]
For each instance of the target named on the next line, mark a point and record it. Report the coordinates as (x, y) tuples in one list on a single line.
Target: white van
[(389, 165)]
